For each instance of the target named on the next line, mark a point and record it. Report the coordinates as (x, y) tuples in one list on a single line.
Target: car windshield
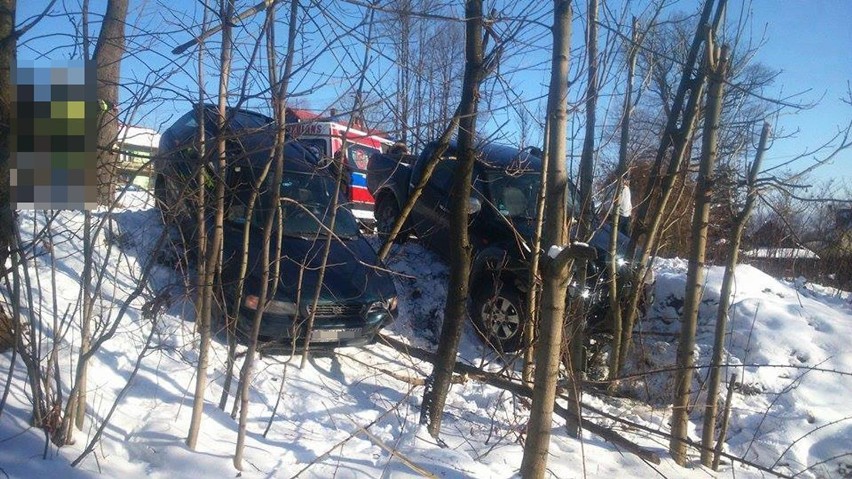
[(306, 201), (516, 195)]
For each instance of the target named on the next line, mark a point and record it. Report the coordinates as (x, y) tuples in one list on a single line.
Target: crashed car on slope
[(356, 293)]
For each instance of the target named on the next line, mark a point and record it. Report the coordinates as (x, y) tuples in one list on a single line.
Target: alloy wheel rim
[(384, 222), (501, 317)]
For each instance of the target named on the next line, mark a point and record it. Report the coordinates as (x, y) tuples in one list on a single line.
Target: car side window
[(442, 176), (185, 122)]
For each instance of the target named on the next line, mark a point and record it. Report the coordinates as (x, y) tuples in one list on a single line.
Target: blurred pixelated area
[(54, 135)]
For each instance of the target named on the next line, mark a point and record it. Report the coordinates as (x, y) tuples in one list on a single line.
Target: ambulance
[(329, 138)]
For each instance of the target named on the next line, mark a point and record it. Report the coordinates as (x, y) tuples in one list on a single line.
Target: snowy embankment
[(342, 416), (790, 344)]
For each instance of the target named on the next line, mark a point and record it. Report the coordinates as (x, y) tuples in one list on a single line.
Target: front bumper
[(596, 295), (355, 325)]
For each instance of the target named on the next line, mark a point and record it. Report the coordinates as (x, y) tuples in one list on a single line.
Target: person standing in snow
[(625, 207), (623, 204)]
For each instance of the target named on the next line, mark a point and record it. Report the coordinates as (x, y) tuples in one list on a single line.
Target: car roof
[(233, 110), (500, 157), (258, 141)]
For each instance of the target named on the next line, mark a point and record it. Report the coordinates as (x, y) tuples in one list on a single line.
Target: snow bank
[(784, 414)]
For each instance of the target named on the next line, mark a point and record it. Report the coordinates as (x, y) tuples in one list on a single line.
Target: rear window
[(247, 121), (359, 156)]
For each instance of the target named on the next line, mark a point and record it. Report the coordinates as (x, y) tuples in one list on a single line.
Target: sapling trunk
[(269, 274), (438, 385), (723, 430), (555, 280), (214, 247), (708, 433), (716, 62), (531, 326), (648, 222), (621, 171), (575, 337)]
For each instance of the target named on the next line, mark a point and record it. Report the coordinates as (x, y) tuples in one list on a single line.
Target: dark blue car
[(357, 296)]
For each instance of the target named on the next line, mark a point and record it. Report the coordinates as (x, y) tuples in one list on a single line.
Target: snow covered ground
[(355, 414)]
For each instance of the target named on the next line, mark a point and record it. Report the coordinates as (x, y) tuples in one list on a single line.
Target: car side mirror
[(473, 205)]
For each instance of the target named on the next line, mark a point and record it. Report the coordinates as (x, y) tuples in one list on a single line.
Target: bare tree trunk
[(708, 433), (86, 318), (335, 202), (403, 48), (214, 247), (8, 45), (31, 355), (14, 320), (419, 107), (723, 429), (108, 53), (671, 129), (716, 61), (555, 285), (76, 409), (443, 142), (438, 385), (575, 335), (279, 101), (230, 316), (678, 138), (86, 311), (621, 172), (531, 326)]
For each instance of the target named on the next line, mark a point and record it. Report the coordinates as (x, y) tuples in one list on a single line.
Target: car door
[(431, 212)]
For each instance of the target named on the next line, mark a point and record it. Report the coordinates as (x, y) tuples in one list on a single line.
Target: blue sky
[(809, 40)]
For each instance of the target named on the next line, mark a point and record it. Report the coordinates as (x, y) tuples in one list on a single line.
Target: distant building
[(772, 234), (775, 249), (137, 146), (780, 253)]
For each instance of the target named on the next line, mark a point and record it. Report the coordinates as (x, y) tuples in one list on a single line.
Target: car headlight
[(574, 290), (251, 301), (620, 261), (388, 305), (283, 308)]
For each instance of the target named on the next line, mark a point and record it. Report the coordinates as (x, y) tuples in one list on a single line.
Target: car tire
[(387, 211), (499, 315)]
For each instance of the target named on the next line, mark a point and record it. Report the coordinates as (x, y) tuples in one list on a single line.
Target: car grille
[(335, 310)]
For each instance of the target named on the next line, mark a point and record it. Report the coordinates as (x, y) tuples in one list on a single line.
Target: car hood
[(353, 273), (600, 238), (603, 235)]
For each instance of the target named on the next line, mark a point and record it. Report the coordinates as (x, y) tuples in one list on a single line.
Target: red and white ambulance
[(327, 136)]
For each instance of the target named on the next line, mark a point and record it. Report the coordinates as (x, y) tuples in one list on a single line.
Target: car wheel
[(387, 211), (500, 317)]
